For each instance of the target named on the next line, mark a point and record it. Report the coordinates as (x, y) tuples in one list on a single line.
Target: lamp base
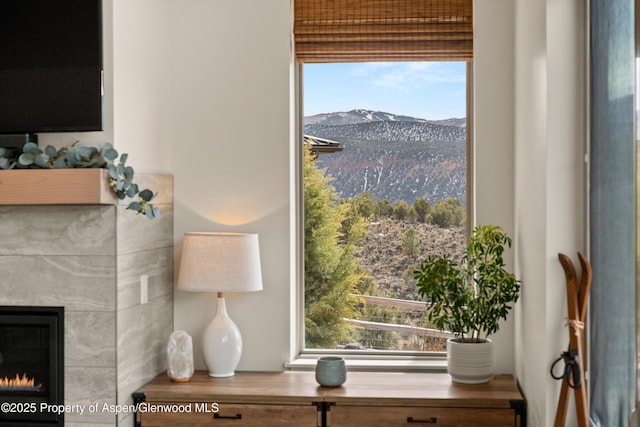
[(222, 343)]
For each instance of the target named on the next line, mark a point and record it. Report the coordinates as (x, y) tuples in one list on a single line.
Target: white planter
[(470, 363)]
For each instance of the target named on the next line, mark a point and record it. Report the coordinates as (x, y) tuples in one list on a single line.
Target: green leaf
[(146, 195), (26, 159), (110, 154), (29, 147), (60, 163), (86, 153), (113, 173), (42, 160), (136, 206), (51, 151), (131, 192), (70, 155), (128, 173), (4, 163), (123, 158), (150, 212), (96, 160)]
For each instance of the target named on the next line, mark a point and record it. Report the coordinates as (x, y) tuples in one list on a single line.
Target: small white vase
[(470, 363)]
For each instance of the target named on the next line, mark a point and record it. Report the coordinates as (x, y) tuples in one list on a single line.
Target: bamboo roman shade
[(383, 30)]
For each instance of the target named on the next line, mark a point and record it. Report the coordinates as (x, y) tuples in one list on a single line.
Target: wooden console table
[(294, 399)]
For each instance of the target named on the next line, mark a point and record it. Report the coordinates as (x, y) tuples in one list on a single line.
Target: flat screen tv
[(51, 75)]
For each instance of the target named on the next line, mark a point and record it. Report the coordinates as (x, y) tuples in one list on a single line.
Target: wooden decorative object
[(55, 187), (577, 297)]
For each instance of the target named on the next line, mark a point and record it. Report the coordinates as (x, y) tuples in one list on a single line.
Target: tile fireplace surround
[(89, 259)]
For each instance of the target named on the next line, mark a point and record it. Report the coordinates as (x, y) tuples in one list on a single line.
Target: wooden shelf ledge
[(55, 187)]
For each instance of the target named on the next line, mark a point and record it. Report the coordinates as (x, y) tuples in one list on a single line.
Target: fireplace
[(31, 366)]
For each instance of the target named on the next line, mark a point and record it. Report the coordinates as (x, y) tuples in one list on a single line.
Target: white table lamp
[(220, 262)]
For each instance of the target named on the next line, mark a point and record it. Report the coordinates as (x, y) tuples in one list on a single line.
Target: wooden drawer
[(345, 416), (200, 414)]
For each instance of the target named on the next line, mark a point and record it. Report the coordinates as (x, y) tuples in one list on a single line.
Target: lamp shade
[(220, 262)]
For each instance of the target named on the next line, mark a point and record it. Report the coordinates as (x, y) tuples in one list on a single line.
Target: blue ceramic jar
[(331, 371)]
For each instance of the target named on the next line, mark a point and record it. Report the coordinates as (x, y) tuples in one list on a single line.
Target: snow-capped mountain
[(358, 116), (393, 157)]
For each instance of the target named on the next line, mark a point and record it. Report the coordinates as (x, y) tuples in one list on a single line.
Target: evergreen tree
[(385, 208), (412, 215), (400, 210), (332, 231), (411, 243), (447, 213), (422, 208), (366, 205)]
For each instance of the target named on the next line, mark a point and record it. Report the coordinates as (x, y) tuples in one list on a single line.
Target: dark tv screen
[(50, 66)]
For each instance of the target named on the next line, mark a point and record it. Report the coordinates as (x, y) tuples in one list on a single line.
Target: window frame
[(303, 358)]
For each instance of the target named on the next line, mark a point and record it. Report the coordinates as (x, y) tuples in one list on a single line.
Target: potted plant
[(470, 298)]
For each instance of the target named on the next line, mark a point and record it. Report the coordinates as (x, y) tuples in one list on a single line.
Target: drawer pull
[(227, 417), (431, 420)]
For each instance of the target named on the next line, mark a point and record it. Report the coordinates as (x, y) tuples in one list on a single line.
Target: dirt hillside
[(392, 266)]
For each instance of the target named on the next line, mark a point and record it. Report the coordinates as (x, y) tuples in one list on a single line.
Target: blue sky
[(427, 90)]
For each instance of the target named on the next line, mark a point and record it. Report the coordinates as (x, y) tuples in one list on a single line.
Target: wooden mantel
[(55, 187)]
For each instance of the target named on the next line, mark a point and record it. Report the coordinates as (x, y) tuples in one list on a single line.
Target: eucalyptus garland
[(80, 156)]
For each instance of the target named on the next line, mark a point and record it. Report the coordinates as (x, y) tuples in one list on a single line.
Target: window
[(384, 189), (384, 186)]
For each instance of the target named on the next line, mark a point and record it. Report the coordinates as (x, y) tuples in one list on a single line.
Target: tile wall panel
[(78, 283), (143, 333), (137, 233), (57, 230), (90, 386), (90, 338), (157, 264)]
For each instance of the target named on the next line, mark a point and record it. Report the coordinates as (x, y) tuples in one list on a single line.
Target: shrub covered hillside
[(393, 248), (363, 246)]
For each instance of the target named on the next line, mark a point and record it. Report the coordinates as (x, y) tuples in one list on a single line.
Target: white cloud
[(406, 76)]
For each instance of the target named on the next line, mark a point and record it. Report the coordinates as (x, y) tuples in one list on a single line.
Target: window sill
[(307, 362)]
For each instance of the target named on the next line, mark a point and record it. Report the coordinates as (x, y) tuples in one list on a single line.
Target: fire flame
[(19, 382)]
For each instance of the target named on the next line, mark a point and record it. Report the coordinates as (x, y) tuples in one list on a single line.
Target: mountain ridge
[(361, 115), (394, 159)]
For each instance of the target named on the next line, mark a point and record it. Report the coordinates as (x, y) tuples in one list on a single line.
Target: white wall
[(142, 67), (230, 156), (550, 216), (566, 208), (494, 135)]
